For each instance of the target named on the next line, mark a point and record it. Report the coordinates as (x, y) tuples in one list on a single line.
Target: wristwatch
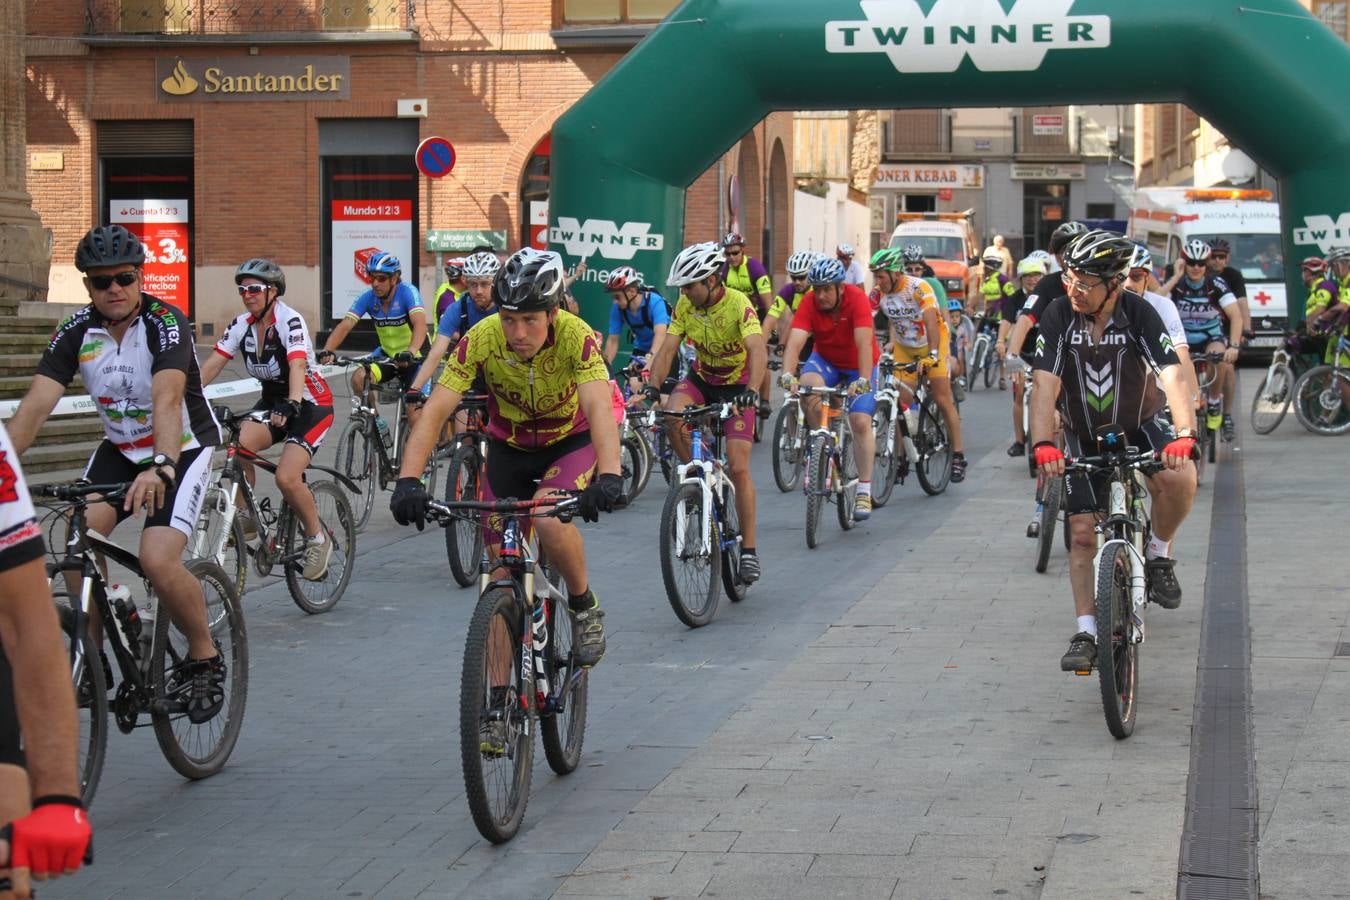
[(158, 463), (1185, 432)]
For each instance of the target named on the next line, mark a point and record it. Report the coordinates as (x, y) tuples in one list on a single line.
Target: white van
[(1165, 218)]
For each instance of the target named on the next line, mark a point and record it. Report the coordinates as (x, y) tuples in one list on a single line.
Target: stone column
[(24, 256)]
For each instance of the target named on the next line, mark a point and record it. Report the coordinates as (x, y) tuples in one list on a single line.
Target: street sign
[(435, 157), (449, 240)]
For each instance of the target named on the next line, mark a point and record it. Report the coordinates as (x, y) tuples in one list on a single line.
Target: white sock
[(1157, 547), (864, 489), (317, 539), (1088, 624)]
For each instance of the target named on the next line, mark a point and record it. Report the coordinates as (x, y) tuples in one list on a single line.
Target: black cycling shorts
[(305, 430), (11, 747), (1085, 493), (183, 501)]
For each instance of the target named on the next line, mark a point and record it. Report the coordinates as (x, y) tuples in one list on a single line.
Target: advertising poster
[(162, 225), (360, 229)]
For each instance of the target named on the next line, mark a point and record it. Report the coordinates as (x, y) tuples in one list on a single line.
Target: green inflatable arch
[(1266, 73)]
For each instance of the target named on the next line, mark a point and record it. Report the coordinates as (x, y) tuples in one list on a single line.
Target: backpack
[(647, 321)]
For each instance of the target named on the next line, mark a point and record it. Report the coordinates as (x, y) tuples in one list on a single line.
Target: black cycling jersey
[(1235, 281), (1108, 381), (1048, 289)]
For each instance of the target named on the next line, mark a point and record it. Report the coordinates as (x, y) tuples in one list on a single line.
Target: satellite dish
[(1238, 167)]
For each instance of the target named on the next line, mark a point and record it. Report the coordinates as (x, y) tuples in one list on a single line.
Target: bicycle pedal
[(1082, 672), (1034, 530)]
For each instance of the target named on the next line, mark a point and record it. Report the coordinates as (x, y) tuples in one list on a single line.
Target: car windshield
[(934, 246), (1258, 257)]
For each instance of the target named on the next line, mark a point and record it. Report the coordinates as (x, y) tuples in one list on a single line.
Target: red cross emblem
[(1263, 298)]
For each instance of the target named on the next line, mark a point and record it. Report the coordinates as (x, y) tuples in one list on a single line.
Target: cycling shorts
[(741, 426), (11, 747), (1085, 493), (1200, 337), (512, 472), (906, 355), (865, 403), (182, 503), (305, 430)]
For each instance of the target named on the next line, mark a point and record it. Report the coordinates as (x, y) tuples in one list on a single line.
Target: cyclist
[(400, 324), (1048, 289), (643, 311), (729, 356), (853, 270), (839, 318), (789, 297), (48, 833), (1220, 251), (962, 331), (1338, 261), (1000, 249), (1137, 279), (1104, 359), (919, 334), (550, 422), (295, 395), (916, 266), (1029, 273), (472, 307), (135, 356), (749, 276), (452, 288), (1201, 298), (998, 292)]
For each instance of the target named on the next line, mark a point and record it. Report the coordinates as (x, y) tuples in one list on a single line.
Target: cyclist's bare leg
[(675, 431), (257, 437), (1082, 552), (738, 470), (942, 393), (291, 483), (1173, 493), (1019, 387), (161, 555), (864, 444), (1216, 387), (810, 402)]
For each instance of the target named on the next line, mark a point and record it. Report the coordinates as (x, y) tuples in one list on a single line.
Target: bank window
[(574, 11)]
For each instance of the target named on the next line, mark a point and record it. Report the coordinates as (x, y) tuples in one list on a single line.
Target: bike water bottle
[(386, 437), (127, 616), (911, 419)]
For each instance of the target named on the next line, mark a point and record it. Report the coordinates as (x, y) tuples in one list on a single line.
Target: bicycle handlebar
[(1132, 457), (78, 490), (720, 410), (562, 505)]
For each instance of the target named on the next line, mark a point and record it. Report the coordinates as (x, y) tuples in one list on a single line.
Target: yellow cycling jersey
[(718, 334), (534, 403)]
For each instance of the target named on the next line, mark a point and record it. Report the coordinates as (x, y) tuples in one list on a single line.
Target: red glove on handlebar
[(1046, 452), (52, 839), (1182, 447)]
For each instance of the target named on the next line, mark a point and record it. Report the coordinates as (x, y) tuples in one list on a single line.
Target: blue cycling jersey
[(452, 321), (393, 327), (641, 321)]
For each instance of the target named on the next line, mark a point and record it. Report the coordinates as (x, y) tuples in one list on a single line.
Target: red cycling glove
[(1182, 447), (1046, 452), (51, 839)]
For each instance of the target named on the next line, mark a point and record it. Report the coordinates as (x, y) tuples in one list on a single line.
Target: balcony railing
[(246, 17), (911, 132)]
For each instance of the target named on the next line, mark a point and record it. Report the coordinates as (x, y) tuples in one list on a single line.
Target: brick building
[(226, 129)]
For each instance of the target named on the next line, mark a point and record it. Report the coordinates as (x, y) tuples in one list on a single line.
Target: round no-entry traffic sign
[(435, 157)]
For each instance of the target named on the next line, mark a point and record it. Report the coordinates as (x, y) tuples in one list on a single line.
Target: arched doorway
[(752, 194), (627, 202), (777, 211), (534, 193)]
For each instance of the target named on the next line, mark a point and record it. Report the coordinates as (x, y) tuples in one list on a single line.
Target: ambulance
[(948, 244), (1165, 218)]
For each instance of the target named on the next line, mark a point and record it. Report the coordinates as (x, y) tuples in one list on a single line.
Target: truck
[(1165, 218), (948, 242)]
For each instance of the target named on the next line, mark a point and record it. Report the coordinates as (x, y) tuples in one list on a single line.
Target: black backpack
[(647, 321)]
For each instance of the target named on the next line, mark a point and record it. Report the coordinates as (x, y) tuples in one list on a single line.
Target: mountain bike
[(369, 452), (1322, 395), (220, 537), (1272, 398), (789, 439), (635, 453), (519, 669), (700, 531), (830, 471), (1209, 417), (151, 657), (464, 481), (1121, 577), (932, 457), (984, 363), (1049, 511)]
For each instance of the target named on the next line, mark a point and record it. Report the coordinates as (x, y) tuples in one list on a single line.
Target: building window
[(575, 11), (1333, 15), (155, 17), (1101, 211)]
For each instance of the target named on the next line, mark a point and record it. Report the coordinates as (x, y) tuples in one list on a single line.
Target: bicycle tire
[(498, 612), (977, 360), (335, 518), (933, 446), (562, 729), (887, 461), (787, 460), (180, 740), (630, 468), (731, 556), (1318, 402), (358, 460), (1202, 437), (464, 537), (1051, 497), (233, 558), (819, 460), (1212, 447), (645, 455), (91, 702), (757, 432), (1068, 532), (1272, 399), (1117, 655), (846, 497), (678, 504)]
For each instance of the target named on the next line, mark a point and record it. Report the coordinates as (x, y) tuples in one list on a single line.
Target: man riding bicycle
[(550, 422), (277, 351), (643, 311), (1203, 299), (729, 356), (838, 318), (1097, 357), (136, 358), (1029, 273)]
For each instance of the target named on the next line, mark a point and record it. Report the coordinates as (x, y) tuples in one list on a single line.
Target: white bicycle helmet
[(695, 263), (1196, 250), (1142, 259), (799, 262), (1031, 266), (1338, 254), (1051, 264), (481, 265)]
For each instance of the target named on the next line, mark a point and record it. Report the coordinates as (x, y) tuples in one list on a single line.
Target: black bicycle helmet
[(1100, 253), (532, 280), (108, 245), (1220, 245), (265, 271), (1065, 233)]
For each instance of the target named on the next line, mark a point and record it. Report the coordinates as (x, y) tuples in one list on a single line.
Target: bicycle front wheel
[(819, 461), (91, 700), (846, 496), (632, 465), (464, 535), (1320, 400), (991, 369), (357, 459), (787, 455), (887, 462), (1271, 400), (689, 568), (335, 518), (562, 726), (199, 750), (729, 537), (495, 743), (976, 366), (1117, 653), (1052, 493), (935, 452)]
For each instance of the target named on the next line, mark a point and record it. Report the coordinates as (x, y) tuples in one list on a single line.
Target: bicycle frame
[(832, 427), (707, 469), (1124, 526)]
